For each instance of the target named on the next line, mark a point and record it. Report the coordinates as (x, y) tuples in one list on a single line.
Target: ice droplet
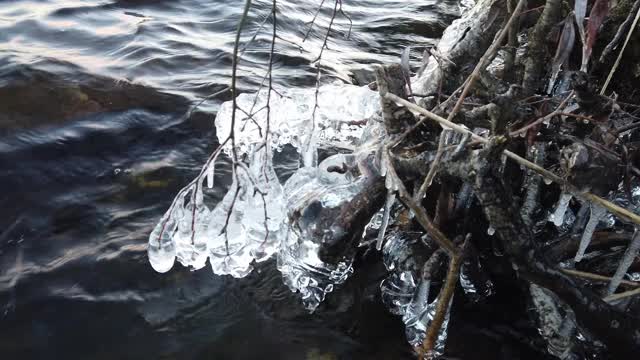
[(597, 213), (491, 230)]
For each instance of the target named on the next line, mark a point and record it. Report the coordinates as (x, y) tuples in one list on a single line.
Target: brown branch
[(488, 56), (444, 301), (613, 208)]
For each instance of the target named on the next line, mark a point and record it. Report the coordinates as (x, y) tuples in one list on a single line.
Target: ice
[(416, 332), (190, 237), (397, 291), (391, 198), (407, 295), (245, 226), (162, 250), (248, 223), (428, 82), (291, 118), (491, 230), (629, 256), (557, 217), (417, 319), (476, 285), (314, 196), (597, 213)]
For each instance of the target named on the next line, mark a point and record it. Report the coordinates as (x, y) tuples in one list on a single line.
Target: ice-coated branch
[(613, 208), (442, 308)]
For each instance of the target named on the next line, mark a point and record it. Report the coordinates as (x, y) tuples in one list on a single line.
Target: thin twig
[(622, 295), (596, 277)]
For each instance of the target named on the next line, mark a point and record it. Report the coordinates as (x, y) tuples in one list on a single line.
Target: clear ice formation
[(292, 121), (386, 212), (255, 219), (308, 192), (597, 213), (407, 295)]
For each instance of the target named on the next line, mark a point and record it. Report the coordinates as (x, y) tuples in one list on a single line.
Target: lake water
[(96, 138)]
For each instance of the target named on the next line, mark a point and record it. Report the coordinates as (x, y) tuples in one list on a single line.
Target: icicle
[(162, 249), (391, 198), (557, 217), (629, 255), (597, 213), (210, 173)]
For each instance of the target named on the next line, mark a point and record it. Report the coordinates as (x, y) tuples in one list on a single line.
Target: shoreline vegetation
[(511, 153)]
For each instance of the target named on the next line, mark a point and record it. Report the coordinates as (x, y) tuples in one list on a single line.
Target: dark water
[(95, 140)]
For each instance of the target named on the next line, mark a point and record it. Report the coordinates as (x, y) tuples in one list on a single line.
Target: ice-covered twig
[(444, 302), (627, 259)]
